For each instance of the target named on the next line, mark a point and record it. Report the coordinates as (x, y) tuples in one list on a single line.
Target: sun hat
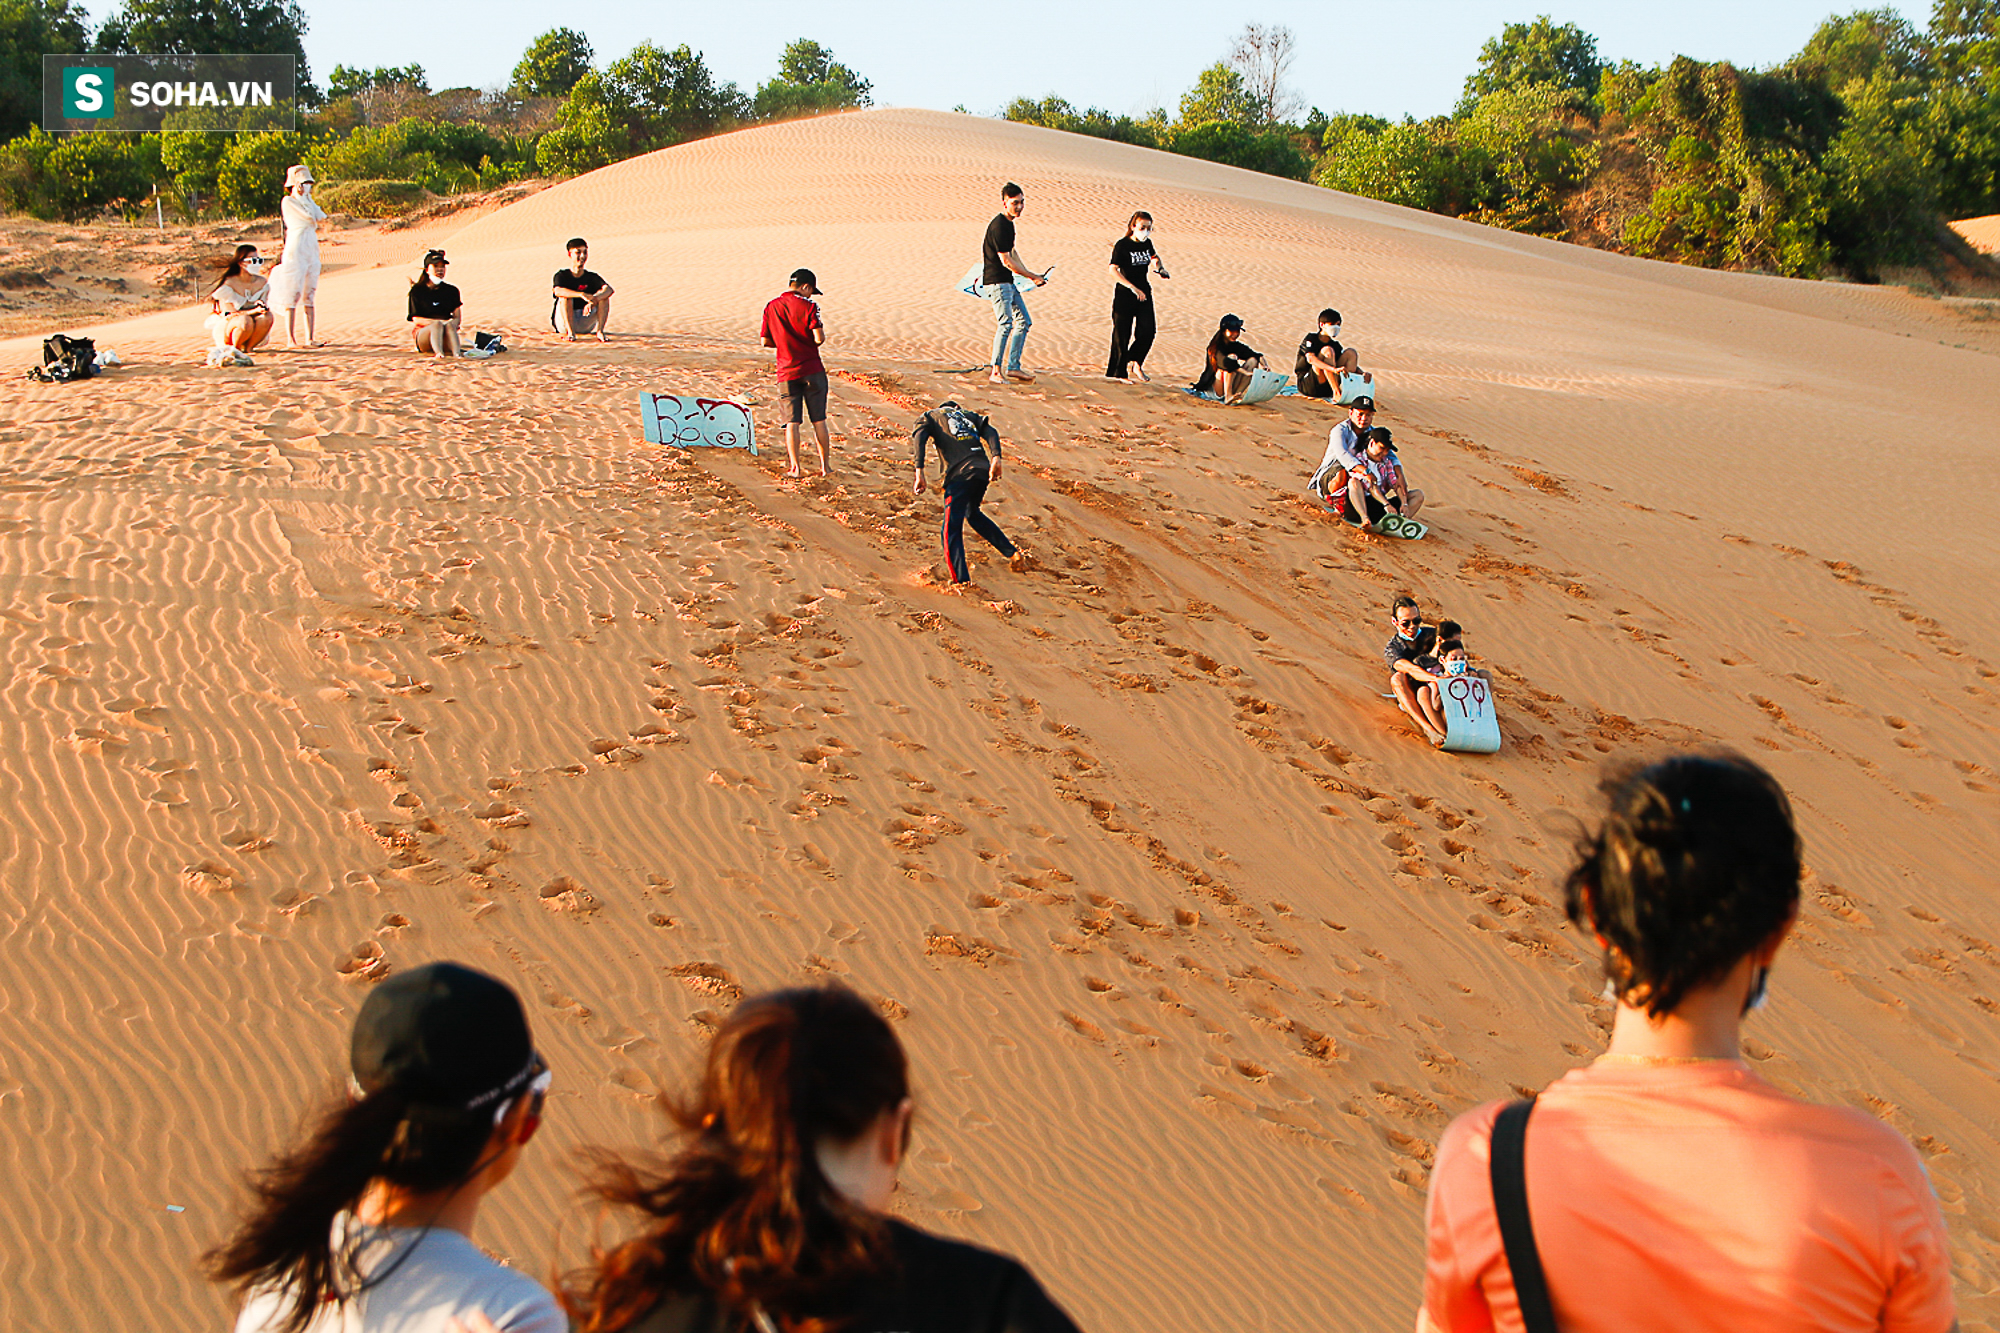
[(443, 1035), (298, 175)]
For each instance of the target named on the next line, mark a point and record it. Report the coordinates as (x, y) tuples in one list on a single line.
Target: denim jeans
[(1010, 322)]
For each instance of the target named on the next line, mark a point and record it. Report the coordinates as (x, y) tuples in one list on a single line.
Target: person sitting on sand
[(582, 298), (1406, 653), (367, 1225), (1345, 450), (773, 1212), (1384, 491), (1451, 660), (1230, 361), (240, 311), (1322, 360), (435, 310), (1668, 1185), (962, 438)]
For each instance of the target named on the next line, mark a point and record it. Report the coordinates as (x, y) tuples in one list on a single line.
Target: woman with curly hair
[(1667, 1186), (772, 1213)]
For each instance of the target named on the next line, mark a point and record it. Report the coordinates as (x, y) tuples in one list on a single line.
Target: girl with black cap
[(773, 1214), (1230, 361), (367, 1225)]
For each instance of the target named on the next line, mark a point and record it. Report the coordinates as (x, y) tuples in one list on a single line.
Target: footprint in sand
[(366, 961)]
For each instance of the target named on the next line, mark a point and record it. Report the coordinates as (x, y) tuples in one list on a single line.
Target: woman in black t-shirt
[(1230, 361), (1132, 322), (773, 1213), (434, 310)]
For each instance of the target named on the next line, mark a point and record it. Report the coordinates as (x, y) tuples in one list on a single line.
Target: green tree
[(193, 158), (1056, 113), (1967, 37), (210, 27), (345, 82), (664, 97), (1415, 165), (586, 136), (1534, 147), (1219, 94), (555, 62), (1538, 52), (252, 175), (1858, 46), (810, 82), (88, 173), (30, 29), (1268, 151)]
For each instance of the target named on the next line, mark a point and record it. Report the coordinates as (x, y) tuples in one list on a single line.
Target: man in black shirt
[(582, 298), (1411, 664), (999, 265), (962, 438), (1322, 360)]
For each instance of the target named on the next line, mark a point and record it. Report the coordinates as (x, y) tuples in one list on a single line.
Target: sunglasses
[(1409, 624), (254, 261)]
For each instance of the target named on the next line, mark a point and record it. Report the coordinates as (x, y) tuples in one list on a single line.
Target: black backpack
[(65, 358)]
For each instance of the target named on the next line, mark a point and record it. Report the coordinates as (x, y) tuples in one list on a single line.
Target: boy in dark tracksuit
[(961, 438)]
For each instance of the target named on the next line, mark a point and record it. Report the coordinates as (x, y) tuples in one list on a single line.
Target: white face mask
[(1330, 330), (1143, 234)]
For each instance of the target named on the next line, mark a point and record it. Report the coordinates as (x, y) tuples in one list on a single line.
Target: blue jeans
[(1010, 321)]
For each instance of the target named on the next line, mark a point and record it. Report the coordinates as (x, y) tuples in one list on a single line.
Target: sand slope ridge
[(353, 661)]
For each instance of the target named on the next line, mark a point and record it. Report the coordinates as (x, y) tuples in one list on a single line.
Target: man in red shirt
[(792, 326)]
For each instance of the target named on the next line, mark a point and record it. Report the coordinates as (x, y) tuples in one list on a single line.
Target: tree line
[(379, 139), (1844, 160)]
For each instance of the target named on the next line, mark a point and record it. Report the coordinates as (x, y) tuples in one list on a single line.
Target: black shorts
[(1312, 386), (807, 396)]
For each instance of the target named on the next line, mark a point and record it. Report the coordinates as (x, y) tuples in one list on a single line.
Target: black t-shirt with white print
[(1134, 259)]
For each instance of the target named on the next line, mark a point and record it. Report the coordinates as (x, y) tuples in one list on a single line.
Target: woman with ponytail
[(367, 1225), (1667, 1186), (771, 1215)]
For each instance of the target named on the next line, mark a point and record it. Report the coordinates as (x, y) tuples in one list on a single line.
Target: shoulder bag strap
[(1510, 1204)]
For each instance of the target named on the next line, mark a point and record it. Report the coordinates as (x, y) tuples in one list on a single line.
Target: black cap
[(443, 1035), (1364, 403), (805, 275), (1231, 322)]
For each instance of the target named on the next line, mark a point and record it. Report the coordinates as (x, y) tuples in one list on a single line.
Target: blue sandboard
[(696, 423)]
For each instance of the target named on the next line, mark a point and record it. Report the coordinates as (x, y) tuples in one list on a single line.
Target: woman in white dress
[(297, 275)]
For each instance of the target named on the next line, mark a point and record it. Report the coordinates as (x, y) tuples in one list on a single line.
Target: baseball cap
[(443, 1035), (1231, 322), (805, 275), (1364, 402)]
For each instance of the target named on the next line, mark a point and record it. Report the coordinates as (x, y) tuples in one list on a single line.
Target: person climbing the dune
[(962, 440)]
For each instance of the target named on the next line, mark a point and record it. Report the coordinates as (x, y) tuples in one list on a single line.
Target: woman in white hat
[(297, 277)]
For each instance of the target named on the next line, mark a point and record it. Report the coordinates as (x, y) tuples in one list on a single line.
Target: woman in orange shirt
[(1667, 1186)]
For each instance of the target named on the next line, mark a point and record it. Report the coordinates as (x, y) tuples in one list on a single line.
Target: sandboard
[(1359, 386), (1471, 726), (971, 285), (1265, 385), (696, 423), (1409, 529)]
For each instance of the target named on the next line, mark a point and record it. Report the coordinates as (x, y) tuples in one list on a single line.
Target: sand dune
[(353, 661), (1982, 233)]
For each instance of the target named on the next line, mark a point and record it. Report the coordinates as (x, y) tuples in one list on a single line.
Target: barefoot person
[(1133, 260), (1322, 360), (1385, 491), (1410, 655), (1668, 1186), (773, 1212), (1230, 361), (240, 312), (582, 298), (962, 438), (1001, 264), (366, 1226), (296, 281), (435, 309), (792, 325)]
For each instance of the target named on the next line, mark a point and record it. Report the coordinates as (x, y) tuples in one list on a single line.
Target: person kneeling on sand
[(1230, 361), (1412, 665), (582, 298), (962, 438), (1322, 360), (240, 304), (367, 1226), (1668, 1185), (435, 309)]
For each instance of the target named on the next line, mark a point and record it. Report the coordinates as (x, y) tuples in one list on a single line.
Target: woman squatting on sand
[(367, 1225), (1667, 1186)]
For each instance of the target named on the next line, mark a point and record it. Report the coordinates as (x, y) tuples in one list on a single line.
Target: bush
[(252, 176), (1417, 166), (586, 137), (24, 175), (1269, 151), (87, 173), (370, 199)]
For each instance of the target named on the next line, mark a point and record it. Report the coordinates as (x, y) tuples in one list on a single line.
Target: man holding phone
[(1001, 264)]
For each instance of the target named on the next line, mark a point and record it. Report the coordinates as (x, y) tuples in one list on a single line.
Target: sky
[(1401, 57)]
